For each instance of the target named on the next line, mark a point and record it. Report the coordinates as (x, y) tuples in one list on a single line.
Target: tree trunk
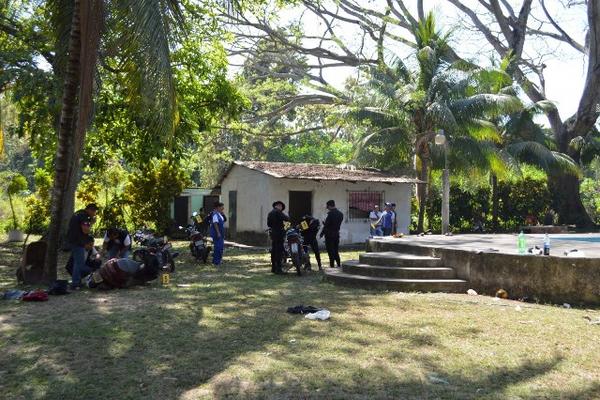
[(567, 200), (66, 133), (74, 118), (494, 203), (422, 190)]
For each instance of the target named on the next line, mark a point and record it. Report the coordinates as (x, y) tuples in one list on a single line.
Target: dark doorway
[(181, 207), (208, 203), (232, 223), (300, 205)]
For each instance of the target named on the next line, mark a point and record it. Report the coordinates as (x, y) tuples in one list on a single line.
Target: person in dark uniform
[(117, 243), (77, 235), (93, 261), (275, 221), (310, 229), (331, 232)]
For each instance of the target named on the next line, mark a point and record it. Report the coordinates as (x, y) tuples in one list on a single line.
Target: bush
[(150, 191), (516, 200), (38, 203), (16, 186)]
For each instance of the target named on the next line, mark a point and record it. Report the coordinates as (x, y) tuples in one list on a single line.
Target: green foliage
[(16, 185), (112, 214), (150, 191), (520, 197), (88, 190), (38, 203)]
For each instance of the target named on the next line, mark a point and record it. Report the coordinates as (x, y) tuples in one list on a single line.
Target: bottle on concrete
[(522, 243), (546, 245)]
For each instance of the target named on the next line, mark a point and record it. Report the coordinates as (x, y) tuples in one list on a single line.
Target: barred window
[(361, 203)]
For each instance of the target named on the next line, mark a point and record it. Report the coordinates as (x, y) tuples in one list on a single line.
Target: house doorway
[(181, 207), (300, 205)]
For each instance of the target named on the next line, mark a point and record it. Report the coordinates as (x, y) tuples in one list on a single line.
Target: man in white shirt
[(375, 222)]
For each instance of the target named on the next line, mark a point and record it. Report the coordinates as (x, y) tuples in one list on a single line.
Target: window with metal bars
[(361, 203)]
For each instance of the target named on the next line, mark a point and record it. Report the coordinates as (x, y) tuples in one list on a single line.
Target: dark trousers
[(276, 254), (387, 231), (332, 244), (314, 245)]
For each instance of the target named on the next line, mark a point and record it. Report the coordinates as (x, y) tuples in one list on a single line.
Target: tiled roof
[(325, 172)]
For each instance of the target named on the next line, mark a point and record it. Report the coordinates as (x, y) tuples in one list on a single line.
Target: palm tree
[(414, 106), (145, 43)]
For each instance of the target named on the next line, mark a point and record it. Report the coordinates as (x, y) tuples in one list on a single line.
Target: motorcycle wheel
[(297, 263), (306, 262), (206, 254)]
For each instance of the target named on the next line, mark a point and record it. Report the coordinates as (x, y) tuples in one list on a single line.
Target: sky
[(565, 68)]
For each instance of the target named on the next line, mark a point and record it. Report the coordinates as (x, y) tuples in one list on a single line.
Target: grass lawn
[(225, 334)]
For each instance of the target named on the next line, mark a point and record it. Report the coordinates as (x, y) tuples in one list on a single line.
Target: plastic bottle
[(521, 243), (546, 245)]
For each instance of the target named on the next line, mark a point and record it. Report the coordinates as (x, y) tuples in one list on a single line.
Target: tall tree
[(146, 30)]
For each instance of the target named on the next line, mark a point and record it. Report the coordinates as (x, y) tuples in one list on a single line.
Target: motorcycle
[(157, 246), (200, 245), (296, 251)]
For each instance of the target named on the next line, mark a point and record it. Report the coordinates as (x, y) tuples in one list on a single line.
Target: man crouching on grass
[(77, 235)]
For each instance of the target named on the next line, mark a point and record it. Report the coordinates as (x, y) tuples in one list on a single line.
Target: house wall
[(257, 191), (196, 196)]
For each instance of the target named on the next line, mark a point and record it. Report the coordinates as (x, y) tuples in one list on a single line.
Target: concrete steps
[(397, 271), (357, 268), (392, 258), (402, 285)]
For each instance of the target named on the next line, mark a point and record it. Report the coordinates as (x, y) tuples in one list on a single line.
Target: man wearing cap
[(387, 221), (275, 221), (331, 231), (77, 235)]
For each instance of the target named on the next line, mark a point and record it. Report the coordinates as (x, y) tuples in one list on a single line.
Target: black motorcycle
[(200, 245), (296, 251), (156, 246)]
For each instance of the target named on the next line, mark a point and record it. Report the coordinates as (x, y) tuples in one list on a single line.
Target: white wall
[(257, 191)]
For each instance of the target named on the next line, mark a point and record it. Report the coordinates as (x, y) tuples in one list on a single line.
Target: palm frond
[(537, 154), (442, 116), (151, 24), (485, 105)]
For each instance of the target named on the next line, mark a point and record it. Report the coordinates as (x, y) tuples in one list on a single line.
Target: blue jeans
[(113, 253), (375, 231), (219, 244), (79, 267)]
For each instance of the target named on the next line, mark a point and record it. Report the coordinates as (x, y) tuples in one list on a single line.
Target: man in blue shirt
[(387, 220), (217, 232)]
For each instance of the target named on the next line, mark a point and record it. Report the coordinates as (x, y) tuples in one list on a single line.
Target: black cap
[(331, 203), (92, 206), (279, 202), (393, 204)]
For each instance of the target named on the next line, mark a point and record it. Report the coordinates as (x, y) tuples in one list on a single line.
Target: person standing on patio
[(331, 231), (375, 222), (387, 221)]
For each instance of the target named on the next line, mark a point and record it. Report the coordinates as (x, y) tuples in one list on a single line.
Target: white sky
[(565, 71)]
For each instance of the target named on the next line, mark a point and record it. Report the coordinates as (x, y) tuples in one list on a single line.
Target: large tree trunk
[(74, 118), (64, 147), (566, 200)]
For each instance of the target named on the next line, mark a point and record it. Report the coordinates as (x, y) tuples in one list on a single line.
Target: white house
[(248, 189)]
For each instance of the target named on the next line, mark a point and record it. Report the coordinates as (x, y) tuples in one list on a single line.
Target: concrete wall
[(196, 196), (545, 279), (257, 191)]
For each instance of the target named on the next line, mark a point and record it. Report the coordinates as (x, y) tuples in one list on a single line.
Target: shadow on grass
[(170, 343)]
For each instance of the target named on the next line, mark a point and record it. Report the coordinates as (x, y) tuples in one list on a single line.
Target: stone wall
[(546, 279)]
